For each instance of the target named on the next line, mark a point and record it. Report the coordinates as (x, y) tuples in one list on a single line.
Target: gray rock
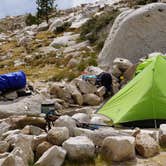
[(162, 135), (132, 35), (101, 91), (84, 86), (146, 145), (79, 148), (42, 27), (112, 148), (81, 117), (11, 95), (56, 23), (12, 160), (57, 135), (24, 106), (32, 130), (66, 40), (66, 121), (54, 156), (41, 148), (91, 99), (4, 146), (122, 64)]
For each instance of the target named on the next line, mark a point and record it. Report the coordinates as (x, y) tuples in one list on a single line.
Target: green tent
[(143, 98)]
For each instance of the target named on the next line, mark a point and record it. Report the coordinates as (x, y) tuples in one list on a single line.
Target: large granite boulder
[(136, 33)]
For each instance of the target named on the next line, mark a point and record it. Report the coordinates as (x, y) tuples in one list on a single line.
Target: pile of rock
[(78, 92), (20, 145)]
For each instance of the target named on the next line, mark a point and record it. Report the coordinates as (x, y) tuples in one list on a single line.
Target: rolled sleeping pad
[(12, 81)]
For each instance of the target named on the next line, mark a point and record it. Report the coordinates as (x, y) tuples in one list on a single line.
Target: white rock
[(84, 86), (79, 148), (101, 91), (54, 156), (162, 134), (42, 27), (57, 23), (66, 121), (119, 148), (57, 135), (146, 145), (122, 64), (81, 117), (66, 40), (132, 37), (32, 130)]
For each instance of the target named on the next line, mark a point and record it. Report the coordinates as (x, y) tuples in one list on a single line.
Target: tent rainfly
[(143, 98)]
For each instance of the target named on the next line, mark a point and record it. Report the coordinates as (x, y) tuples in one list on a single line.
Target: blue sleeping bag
[(12, 81)]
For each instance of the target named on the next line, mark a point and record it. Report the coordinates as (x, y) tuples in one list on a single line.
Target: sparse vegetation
[(30, 20), (92, 28)]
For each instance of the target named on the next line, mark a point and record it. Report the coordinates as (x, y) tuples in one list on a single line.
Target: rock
[(91, 99), (4, 127), (11, 95), (162, 135), (73, 63), (12, 161), (100, 134), (57, 135), (10, 132), (53, 156), (84, 86), (24, 142), (38, 140), (26, 106), (116, 71), (47, 50), (130, 72), (132, 37), (19, 122), (61, 91), (76, 47), (41, 148), (97, 120), (83, 132), (66, 40), (93, 70), (4, 146), (66, 121), (79, 148), (81, 117), (122, 64), (112, 148), (101, 91), (42, 27), (78, 23), (146, 145), (32, 130), (77, 97), (56, 23)]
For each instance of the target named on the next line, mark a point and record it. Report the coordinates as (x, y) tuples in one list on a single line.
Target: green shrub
[(30, 20)]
